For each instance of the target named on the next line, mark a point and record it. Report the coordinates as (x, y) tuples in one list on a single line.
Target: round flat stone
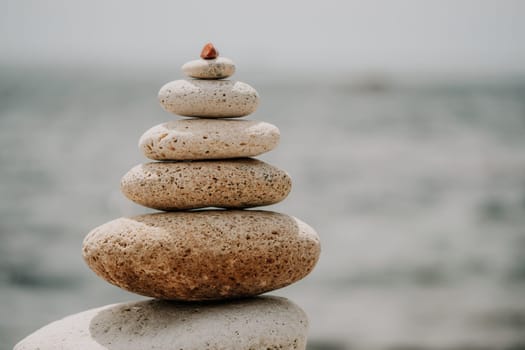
[(229, 183), (191, 139), (209, 98), (255, 323), (202, 255), (217, 68)]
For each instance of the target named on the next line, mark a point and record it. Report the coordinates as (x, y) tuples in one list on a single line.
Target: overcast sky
[(325, 35)]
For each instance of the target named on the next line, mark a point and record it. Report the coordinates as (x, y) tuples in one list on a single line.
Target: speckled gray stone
[(202, 255), (228, 183), (192, 139), (256, 323), (209, 98), (217, 68)]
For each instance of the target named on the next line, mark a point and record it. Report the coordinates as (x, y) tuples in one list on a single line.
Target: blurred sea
[(416, 187)]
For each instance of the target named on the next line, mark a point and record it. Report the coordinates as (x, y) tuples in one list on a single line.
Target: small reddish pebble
[(209, 52)]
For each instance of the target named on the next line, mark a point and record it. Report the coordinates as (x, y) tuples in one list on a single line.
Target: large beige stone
[(217, 68), (256, 323), (209, 98), (202, 255), (230, 183), (191, 139)]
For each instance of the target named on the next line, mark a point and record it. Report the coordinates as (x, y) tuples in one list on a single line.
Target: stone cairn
[(185, 254)]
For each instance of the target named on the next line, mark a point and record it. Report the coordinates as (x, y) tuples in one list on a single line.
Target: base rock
[(256, 323)]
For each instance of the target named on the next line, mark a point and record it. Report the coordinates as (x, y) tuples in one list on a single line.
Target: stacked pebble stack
[(202, 162), (190, 253)]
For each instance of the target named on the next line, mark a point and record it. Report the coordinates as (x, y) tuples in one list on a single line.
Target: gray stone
[(227, 183), (192, 139), (217, 68), (257, 323), (209, 98)]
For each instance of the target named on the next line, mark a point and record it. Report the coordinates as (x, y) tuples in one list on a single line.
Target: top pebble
[(210, 66)]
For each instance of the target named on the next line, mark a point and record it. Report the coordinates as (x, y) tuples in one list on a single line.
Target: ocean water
[(416, 187)]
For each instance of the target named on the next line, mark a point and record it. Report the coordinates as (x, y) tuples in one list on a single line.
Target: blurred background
[(402, 125)]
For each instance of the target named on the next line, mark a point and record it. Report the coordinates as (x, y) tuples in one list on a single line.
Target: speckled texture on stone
[(191, 139), (256, 323), (209, 98), (218, 68), (202, 255), (228, 183)]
